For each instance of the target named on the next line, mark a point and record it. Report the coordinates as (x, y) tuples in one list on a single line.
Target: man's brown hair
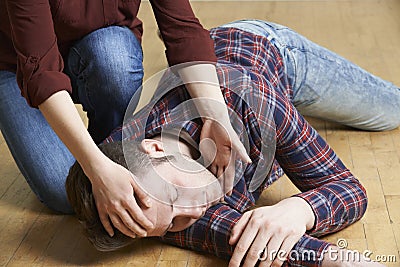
[(80, 195)]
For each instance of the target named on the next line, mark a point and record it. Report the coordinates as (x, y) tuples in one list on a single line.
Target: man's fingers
[(106, 222), (285, 249), (243, 246), (273, 249), (237, 230), (257, 250)]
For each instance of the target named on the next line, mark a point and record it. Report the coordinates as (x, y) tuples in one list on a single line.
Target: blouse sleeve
[(184, 37), (39, 63)]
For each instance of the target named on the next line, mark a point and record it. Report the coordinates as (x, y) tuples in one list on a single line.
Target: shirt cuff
[(211, 233), (45, 84), (308, 252), (193, 49), (321, 209)]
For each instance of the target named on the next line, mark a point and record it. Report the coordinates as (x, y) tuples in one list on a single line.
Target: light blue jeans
[(106, 69), (328, 86)]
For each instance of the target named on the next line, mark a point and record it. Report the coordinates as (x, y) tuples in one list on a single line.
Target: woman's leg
[(41, 157), (328, 86), (106, 71)]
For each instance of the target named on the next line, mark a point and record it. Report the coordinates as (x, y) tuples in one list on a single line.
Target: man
[(331, 198)]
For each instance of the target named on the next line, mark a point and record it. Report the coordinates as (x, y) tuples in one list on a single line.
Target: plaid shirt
[(335, 195)]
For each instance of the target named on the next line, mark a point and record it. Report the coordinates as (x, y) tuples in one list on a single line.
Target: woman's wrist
[(201, 81), (93, 164), (61, 114)]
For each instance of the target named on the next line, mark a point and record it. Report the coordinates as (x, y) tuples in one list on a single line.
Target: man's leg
[(106, 71), (328, 86), (41, 157)]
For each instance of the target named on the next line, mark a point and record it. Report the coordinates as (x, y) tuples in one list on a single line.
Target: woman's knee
[(109, 64), (57, 202), (111, 50)]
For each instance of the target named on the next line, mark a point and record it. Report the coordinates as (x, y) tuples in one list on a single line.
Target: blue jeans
[(105, 68), (328, 86)]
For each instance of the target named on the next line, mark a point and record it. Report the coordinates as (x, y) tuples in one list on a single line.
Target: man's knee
[(385, 122)]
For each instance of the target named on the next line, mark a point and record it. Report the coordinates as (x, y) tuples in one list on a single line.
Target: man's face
[(191, 191)]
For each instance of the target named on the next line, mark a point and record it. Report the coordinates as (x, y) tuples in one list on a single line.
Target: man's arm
[(212, 233), (335, 195)]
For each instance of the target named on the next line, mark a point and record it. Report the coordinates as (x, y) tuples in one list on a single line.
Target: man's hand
[(114, 195), (269, 233), (220, 146)]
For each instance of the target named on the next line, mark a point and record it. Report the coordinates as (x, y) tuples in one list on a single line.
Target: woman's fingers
[(136, 213), (133, 218), (229, 174), (239, 148), (105, 221), (121, 226), (213, 169), (141, 194)]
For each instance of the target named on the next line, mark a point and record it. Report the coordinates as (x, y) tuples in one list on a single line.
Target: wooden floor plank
[(365, 32), (381, 242), (377, 212), (390, 180)]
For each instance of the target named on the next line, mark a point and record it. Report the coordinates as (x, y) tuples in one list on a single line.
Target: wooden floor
[(365, 31)]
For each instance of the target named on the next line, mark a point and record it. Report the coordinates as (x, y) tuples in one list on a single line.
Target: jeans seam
[(81, 76)]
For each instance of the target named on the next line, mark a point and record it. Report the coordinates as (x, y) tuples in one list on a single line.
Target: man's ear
[(152, 147)]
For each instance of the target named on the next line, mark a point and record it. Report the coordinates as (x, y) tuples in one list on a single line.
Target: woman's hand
[(269, 233), (114, 190), (113, 185), (220, 146)]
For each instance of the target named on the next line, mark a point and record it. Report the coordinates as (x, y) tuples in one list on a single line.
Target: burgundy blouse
[(35, 36)]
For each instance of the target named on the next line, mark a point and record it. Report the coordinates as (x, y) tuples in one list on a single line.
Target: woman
[(56, 52)]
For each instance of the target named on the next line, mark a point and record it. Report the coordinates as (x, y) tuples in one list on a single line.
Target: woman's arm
[(39, 63), (219, 143), (184, 37), (40, 77), (113, 186)]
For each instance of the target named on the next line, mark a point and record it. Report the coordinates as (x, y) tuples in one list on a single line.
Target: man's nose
[(192, 212)]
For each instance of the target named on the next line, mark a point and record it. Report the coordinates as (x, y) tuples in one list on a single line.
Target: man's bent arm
[(335, 195), (212, 232)]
